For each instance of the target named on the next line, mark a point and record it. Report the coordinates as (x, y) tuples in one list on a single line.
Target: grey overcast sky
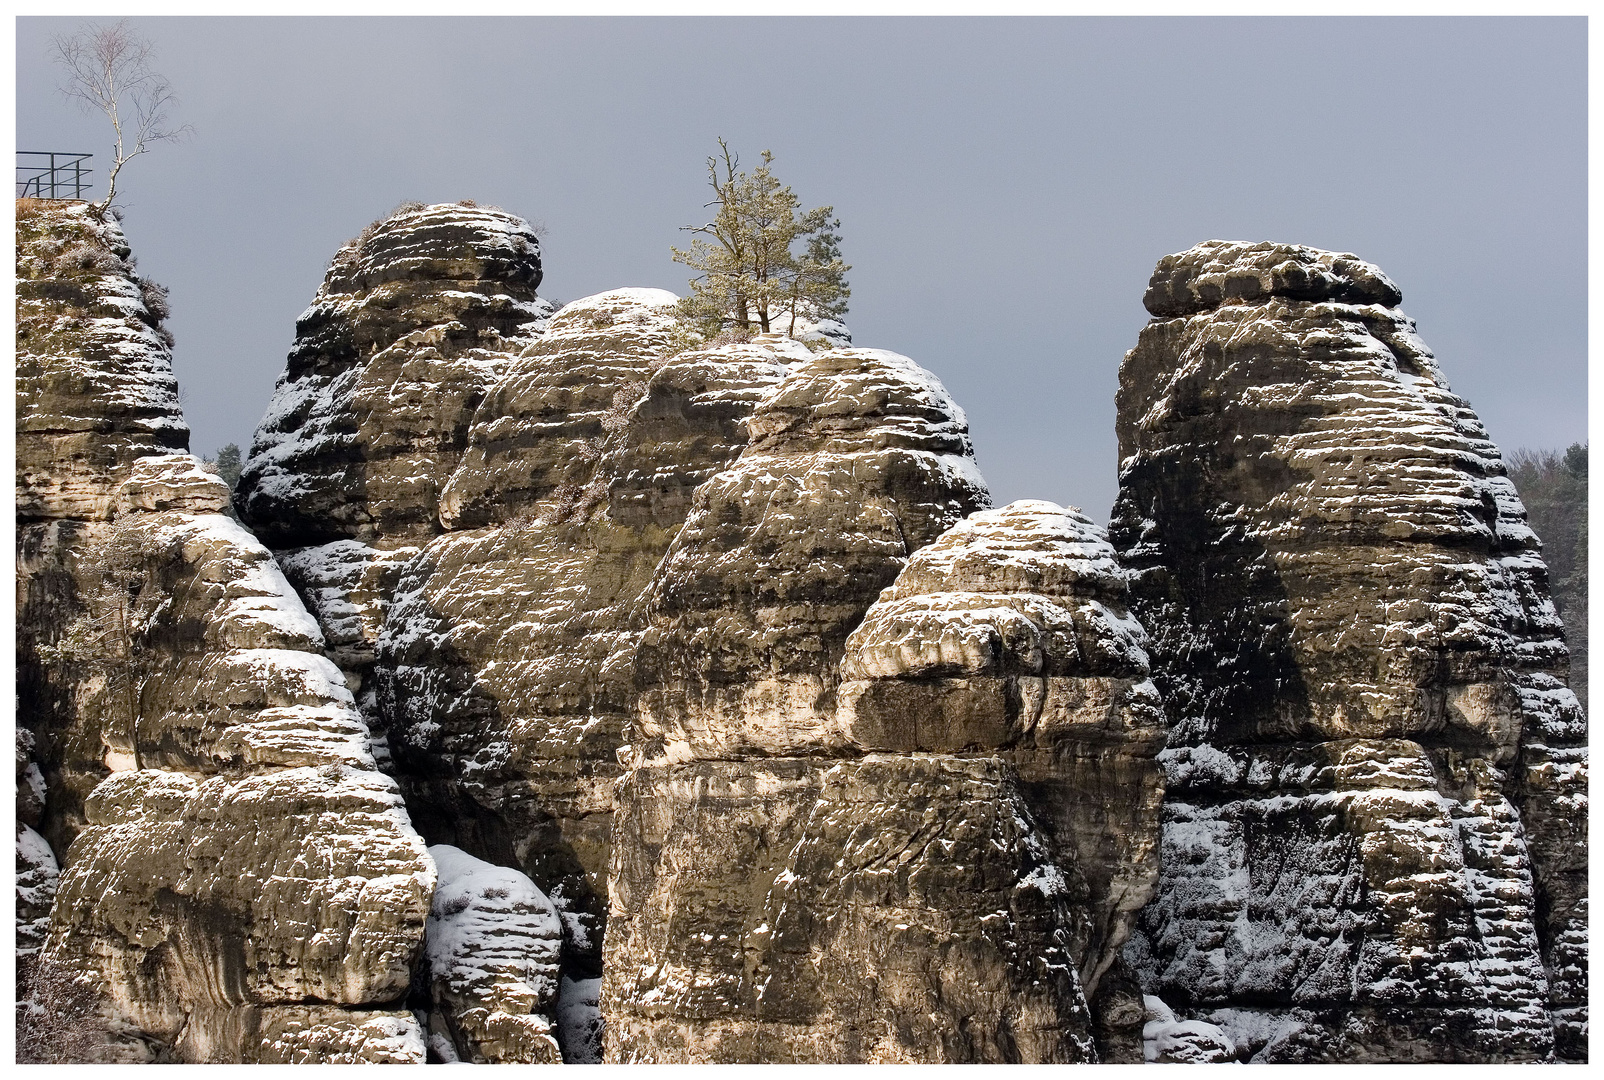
[(1004, 185)]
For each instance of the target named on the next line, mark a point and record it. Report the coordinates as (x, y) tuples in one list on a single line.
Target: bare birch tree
[(107, 69)]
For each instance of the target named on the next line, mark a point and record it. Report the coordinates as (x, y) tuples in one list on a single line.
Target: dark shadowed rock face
[(1372, 848), (414, 321)]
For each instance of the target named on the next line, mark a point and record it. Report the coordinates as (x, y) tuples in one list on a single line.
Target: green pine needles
[(763, 264)]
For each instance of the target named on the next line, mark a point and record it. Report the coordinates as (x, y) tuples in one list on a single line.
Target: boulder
[(495, 951)]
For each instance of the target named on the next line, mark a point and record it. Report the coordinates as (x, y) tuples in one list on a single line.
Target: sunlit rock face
[(416, 319), (505, 664), (244, 876), (1373, 848), (204, 834), (1010, 635), (95, 385), (831, 845), (856, 460), (95, 393)]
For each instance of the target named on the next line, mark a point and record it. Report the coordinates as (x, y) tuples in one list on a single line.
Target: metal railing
[(52, 174)]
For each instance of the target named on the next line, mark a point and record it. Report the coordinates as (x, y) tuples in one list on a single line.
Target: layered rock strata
[(414, 321), (1010, 636), (95, 385), (236, 878), (838, 840), (490, 638), (1374, 837), (505, 662), (246, 884), (95, 393)]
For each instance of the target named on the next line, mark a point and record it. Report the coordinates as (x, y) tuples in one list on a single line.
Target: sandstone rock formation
[(239, 880), (37, 869), (495, 658), (504, 675), (37, 877), (244, 854), (1010, 635), (95, 392), (95, 385), (832, 845), (742, 729), (857, 459), (410, 328), (1374, 842)]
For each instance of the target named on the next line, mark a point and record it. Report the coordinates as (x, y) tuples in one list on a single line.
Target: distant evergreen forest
[(1553, 485)]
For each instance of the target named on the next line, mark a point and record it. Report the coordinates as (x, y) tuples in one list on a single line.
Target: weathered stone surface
[(1009, 635), (347, 586), (95, 393), (495, 952), (1166, 1040), (37, 876), (302, 1035), (95, 386), (30, 781), (505, 671), (774, 903), (243, 854), (857, 459), (540, 431), (1372, 849), (414, 321), (884, 909)]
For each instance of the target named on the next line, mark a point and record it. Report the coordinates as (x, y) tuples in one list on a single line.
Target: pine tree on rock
[(751, 277)]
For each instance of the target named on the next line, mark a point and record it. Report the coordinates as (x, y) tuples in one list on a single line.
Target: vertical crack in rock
[(1373, 845)]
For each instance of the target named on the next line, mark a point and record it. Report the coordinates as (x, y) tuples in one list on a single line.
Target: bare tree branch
[(107, 69)]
